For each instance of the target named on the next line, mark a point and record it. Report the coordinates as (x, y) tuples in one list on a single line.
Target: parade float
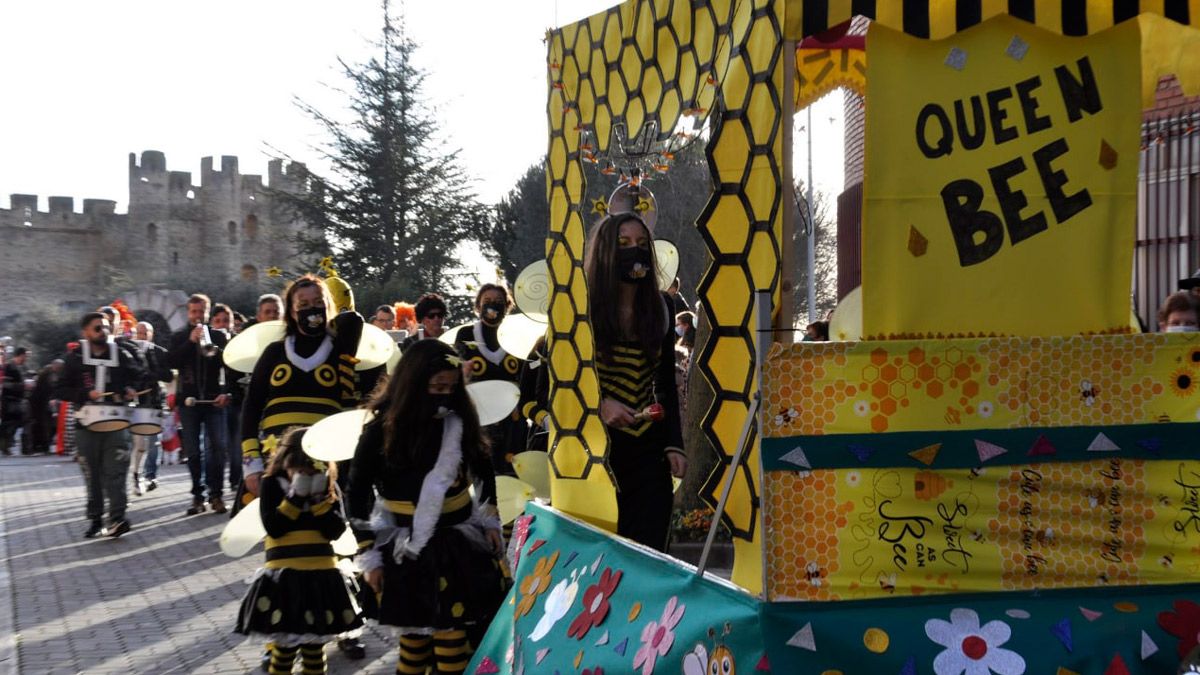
[(993, 473)]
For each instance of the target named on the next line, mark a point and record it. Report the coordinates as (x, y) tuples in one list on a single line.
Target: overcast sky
[(86, 83)]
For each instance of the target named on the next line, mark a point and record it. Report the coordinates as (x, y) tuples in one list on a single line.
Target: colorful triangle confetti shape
[(541, 655), (1090, 614), (536, 545), (622, 646), (909, 667), (764, 665), (1117, 666), (797, 457), (988, 450), (1064, 671), (1042, 447), (1102, 443), (487, 667), (1062, 631), (1150, 445), (603, 639), (1148, 646), (570, 559), (861, 452), (927, 454), (804, 639)]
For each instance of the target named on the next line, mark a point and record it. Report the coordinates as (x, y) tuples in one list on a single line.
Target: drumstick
[(116, 393), (192, 400)]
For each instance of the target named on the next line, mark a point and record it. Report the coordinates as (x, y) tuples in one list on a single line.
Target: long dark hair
[(289, 454), (290, 296), (404, 408), (604, 281)]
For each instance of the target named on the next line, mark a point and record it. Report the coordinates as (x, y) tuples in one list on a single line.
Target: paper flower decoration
[(558, 603), (274, 272), (970, 648), (595, 604), (658, 636), (536, 583), (1183, 623)]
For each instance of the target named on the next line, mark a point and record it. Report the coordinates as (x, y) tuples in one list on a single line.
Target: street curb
[(9, 658)]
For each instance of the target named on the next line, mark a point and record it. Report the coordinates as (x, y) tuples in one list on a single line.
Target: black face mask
[(633, 264), (311, 321), (442, 404), (493, 312)]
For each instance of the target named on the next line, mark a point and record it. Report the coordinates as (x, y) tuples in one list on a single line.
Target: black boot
[(353, 648), (94, 530)]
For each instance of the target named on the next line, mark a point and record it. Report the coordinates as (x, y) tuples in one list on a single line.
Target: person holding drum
[(99, 378), (145, 445)]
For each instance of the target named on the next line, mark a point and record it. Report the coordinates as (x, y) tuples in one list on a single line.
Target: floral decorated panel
[(587, 602), (1109, 631)]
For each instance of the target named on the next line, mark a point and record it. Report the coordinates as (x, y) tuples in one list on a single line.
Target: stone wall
[(225, 227)]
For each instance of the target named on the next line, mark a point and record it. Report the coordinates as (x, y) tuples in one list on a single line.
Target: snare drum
[(101, 417), (145, 421)]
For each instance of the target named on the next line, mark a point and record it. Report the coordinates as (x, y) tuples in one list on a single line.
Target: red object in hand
[(655, 412)]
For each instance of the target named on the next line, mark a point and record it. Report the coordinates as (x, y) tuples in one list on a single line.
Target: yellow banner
[(846, 533), (1001, 168)]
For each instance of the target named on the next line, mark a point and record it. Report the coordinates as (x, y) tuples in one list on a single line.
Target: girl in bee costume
[(434, 554), (300, 599), (301, 379), (639, 403)]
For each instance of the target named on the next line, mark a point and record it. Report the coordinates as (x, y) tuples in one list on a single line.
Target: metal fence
[(1168, 210)]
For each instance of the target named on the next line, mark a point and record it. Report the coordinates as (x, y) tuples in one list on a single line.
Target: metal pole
[(812, 232)]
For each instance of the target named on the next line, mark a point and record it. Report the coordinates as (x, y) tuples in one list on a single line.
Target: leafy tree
[(395, 204), (825, 259)]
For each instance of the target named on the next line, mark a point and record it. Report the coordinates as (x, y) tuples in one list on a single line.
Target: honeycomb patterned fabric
[(922, 467), (651, 63)]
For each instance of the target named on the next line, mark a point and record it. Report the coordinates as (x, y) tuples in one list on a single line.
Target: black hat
[(1190, 282)]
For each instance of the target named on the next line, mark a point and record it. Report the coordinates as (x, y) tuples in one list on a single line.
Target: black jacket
[(78, 379), (199, 375)]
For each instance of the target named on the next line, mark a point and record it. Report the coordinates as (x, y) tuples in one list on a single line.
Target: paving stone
[(161, 599)]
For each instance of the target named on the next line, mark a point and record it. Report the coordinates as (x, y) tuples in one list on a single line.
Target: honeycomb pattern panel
[(643, 65)]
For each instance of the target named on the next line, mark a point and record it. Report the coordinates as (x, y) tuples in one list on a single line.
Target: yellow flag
[(1001, 172)]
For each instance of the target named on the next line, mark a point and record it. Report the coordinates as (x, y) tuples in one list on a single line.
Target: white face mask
[(1182, 329), (680, 331)]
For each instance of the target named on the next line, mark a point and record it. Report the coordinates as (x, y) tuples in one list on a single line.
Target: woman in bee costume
[(479, 347), (301, 379)]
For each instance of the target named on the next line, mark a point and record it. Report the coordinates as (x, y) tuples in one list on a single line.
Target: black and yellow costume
[(638, 453), (283, 394), (479, 347), (535, 388), (440, 578), (300, 599)]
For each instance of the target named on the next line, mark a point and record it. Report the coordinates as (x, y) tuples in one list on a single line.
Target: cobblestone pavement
[(161, 599)]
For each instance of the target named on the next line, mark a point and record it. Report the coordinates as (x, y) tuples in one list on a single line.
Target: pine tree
[(395, 204)]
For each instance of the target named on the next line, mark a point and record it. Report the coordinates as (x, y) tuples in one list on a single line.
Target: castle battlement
[(175, 231), (23, 208)]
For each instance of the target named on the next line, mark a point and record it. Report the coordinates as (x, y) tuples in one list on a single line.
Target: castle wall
[(223, 227)]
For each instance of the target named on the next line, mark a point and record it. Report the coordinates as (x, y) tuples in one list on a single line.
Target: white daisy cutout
[(986, 409), (861, 408), (853, 478), (970, 648)]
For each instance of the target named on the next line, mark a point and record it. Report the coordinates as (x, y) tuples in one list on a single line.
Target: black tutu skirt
[(455, 583), (294, 607)]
